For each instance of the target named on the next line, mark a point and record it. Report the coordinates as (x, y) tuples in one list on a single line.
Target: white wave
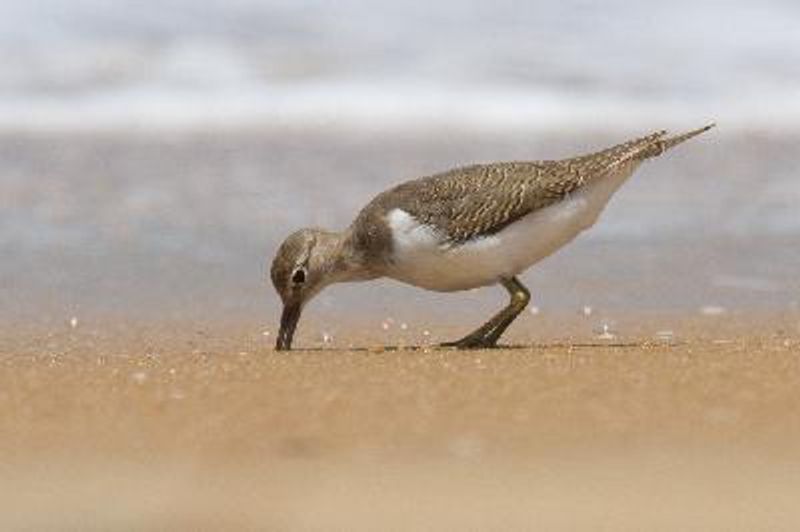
[(92, 64), (385, 106)]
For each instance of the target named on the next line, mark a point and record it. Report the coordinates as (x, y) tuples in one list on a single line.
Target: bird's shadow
[(501, 347)]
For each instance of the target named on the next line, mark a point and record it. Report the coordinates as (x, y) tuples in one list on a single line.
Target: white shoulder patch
[(408, 234)]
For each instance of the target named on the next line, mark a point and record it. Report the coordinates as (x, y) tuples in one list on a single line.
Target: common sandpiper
[(465, 228)]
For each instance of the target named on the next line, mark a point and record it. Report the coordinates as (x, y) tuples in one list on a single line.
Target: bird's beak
[(289, 319)]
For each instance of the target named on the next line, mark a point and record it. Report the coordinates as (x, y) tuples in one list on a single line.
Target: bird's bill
[(289, 319)]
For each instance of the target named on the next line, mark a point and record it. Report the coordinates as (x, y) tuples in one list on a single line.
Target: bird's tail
[(662, 144)]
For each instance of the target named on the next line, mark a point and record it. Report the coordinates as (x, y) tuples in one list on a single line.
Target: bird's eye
[(299, 276)]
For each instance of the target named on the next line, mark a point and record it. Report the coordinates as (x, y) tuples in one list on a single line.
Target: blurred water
[(553, 65), (182, 224)]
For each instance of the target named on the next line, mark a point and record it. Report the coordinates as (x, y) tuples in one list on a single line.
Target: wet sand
[(188, 425), (185, 224)]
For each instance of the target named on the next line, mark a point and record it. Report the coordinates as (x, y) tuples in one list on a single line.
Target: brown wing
[(479, 200)]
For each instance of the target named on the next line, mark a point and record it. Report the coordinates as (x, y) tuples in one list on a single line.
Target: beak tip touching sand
[(289, 319)]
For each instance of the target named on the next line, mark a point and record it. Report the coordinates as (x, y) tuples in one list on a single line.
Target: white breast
[(422, 257)]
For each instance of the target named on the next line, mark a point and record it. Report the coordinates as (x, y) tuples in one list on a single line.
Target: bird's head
[(304, 265)]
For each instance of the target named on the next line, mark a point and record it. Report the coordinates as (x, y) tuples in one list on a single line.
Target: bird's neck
[(345, 263)]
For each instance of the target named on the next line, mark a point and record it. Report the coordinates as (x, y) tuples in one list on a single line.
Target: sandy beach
[(189, 425), (654, 387), (651, 386)]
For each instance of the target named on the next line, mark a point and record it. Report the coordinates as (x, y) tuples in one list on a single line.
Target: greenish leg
[(487, 334)]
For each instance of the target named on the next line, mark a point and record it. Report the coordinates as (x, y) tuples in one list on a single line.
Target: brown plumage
[(482, 199), (429, 232)]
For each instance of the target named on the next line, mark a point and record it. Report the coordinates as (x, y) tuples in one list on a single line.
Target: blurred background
[(153, 155)]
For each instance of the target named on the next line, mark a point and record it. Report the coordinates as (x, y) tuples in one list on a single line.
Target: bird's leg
[(487, 334), (520, 297)]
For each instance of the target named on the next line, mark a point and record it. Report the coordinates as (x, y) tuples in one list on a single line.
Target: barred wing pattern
[(478, 200)]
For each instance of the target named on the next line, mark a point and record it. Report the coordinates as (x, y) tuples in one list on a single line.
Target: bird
[(465, 228)]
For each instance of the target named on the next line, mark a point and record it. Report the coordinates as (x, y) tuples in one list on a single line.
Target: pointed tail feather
[(661, 145)]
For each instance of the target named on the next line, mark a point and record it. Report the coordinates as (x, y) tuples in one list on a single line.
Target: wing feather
[(478, 200)]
